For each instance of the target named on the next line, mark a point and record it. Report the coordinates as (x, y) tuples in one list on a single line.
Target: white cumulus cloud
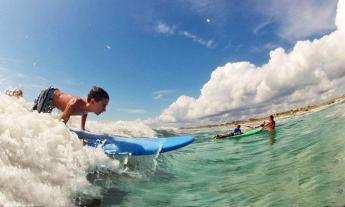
[(340, 19), (312, 72)]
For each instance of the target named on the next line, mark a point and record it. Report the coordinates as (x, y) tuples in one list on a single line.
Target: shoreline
[(278, 116)]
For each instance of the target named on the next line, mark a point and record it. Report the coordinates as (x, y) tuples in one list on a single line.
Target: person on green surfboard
[(236, 131)]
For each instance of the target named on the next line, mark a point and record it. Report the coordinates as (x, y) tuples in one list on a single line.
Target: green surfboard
[(245, 134)]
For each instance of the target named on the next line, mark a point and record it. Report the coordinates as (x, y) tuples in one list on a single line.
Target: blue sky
[(146, 54)]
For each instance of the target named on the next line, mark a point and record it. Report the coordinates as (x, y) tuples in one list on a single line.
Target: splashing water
[(41, 162), (118, 128)]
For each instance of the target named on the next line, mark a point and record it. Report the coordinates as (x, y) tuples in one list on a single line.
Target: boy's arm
[(83, 121)]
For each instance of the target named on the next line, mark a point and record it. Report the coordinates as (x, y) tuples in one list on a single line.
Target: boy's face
[(100, 106)]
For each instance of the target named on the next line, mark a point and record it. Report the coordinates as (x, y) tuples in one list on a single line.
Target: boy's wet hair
[(97, 93)]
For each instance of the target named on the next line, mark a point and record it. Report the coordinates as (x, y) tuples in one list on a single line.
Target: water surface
[(301, 165)]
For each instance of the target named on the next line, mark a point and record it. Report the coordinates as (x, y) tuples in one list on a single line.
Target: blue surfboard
[(116, 145)]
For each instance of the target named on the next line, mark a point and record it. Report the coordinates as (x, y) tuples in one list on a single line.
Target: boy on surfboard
[(50, 98), (236, 131)]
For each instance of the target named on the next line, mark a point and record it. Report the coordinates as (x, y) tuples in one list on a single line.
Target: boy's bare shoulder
[(77, 101), (76, 106)]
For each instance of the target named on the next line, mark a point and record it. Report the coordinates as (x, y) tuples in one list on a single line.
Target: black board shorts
[(44, 101)]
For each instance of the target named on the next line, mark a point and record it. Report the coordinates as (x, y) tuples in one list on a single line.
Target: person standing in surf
[(18, 93), (270, 124), (50, 98)]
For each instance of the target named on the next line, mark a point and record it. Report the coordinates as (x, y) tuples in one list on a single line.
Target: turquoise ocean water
[(303, 164)]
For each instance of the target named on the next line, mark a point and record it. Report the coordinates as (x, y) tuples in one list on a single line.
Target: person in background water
[(236, 131), (270, 124), (50, 98), (16, 93)]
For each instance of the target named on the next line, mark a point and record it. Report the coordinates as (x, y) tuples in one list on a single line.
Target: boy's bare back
[(74, 104)]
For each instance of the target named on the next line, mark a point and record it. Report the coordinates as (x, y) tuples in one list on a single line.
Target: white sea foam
[(121, 128), (42, 163)]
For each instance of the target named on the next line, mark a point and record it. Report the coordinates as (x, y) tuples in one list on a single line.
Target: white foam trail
[(42, 163), (121, 128)]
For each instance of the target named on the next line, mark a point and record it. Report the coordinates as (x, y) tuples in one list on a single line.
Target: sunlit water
[(303, 164), (43, 164)]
